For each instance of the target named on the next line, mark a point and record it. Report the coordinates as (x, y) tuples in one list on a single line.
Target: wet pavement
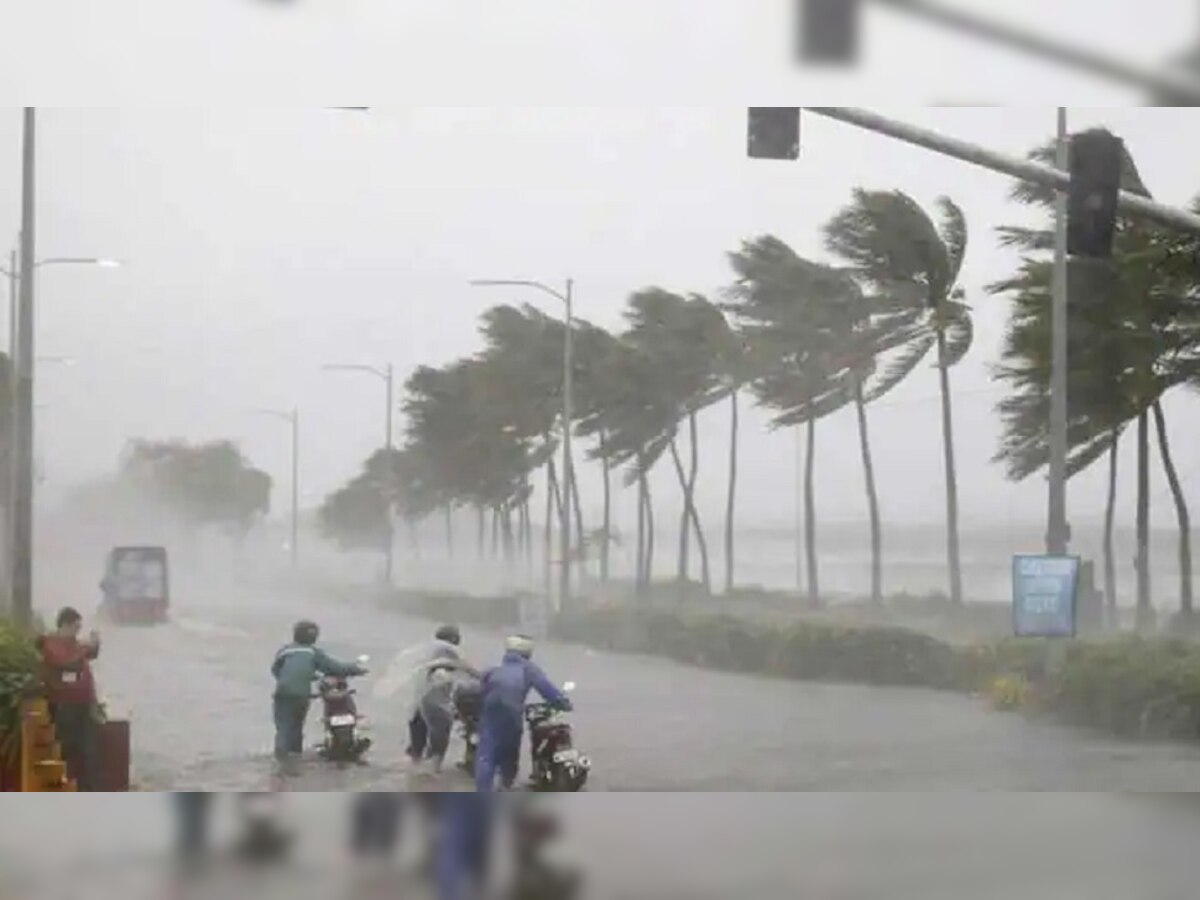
[(908, 794), (198, 692)]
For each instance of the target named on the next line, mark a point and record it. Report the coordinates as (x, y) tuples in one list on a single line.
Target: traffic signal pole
[(1058, 530), (1058, 178), (1026, 170)]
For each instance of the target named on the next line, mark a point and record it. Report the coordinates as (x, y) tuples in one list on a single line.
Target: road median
[(1133, 687)]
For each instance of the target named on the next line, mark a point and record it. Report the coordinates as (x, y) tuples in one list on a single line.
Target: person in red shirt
[(71, 690)]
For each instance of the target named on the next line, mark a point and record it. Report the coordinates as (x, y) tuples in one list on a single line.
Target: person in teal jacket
[(295, 668)]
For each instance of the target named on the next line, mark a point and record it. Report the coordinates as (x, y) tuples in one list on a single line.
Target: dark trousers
[(418, 737), (439, 723), (290, 714), (76, 732)]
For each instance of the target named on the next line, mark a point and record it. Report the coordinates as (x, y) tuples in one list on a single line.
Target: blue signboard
[(1045, 594)]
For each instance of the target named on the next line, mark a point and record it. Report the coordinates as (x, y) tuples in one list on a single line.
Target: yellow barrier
[(42, 764)]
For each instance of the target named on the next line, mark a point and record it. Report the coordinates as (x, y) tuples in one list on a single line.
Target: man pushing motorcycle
[(502, 722), (295, 667)]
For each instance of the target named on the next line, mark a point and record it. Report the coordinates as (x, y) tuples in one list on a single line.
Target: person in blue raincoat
[(502, 720)]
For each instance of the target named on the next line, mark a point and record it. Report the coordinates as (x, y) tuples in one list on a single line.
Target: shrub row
[(18, 674), (1133, 687)]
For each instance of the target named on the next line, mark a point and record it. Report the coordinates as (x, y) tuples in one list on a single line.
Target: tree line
[(802, 338)]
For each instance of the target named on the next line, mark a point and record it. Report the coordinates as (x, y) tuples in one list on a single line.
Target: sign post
[(1046, 596)]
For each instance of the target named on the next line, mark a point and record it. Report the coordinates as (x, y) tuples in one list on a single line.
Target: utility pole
[(568, 461), (293, 420), (567, 298), (387, 375), (295, 488), (10, 516), (1058, 532), (22, 536)]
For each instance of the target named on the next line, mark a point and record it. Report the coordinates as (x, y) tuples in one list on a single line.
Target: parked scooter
[(344, 742)]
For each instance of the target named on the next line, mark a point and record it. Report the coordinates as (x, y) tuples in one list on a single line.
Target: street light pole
[(387, 375), (567, 298), (295, 488), (22, 536), (15, 356), (1058, 533), (293, 419), (568, 460)]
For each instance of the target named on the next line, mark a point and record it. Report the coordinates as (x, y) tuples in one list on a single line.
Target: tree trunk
[(685, 522), (953, 553), (731, 498), (606, 533), (552, 501), (1186, 604), (414, 538), (1145, 603), (580, 541), (649, 575), (1110, 519), (482, 530), (864, 439), (701, 541), (496, 520), (810, 516), (640, 576)]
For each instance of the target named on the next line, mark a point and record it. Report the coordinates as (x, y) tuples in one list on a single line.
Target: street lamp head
[(108, 263)]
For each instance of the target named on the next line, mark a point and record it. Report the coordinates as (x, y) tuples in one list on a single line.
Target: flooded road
[(680, 808), (198, 692)]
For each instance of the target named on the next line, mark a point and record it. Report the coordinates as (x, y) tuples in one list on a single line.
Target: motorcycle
[(557, 765), (344, 742), (468, 706)]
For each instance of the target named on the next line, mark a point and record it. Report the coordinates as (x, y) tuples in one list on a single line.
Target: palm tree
[(681, 334), (913, 265), (796, 315), (1134, 335)]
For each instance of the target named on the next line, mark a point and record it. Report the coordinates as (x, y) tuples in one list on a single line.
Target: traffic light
[(828, 31), (1097, 159), (774, 132)]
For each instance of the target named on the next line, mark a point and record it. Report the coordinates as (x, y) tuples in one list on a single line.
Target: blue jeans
[(290, 714)]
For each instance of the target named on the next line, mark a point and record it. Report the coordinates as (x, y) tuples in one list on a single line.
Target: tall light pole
[(387, 375), (22, 500), (292, 418), (566, 297), (1058, 531), (23, 420)]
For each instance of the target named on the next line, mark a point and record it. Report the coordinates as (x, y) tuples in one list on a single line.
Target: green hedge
[(18, 674), (806, 651), (1134, 687)]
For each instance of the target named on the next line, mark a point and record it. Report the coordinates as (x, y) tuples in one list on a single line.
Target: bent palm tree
[(912, 265)]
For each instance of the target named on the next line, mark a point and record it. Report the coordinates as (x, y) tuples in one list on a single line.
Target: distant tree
[(203, 484)]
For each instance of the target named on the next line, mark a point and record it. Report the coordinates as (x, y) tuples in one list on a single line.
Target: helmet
[(520, 643), (306, 633), (450, 634)]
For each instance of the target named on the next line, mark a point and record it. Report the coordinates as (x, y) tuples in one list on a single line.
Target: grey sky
[(262, 242)]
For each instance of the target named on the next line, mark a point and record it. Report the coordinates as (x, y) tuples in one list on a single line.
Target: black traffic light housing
[(827, 31), (1097, 161), (774, 132)]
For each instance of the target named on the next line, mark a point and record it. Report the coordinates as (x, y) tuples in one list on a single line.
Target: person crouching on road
[(71, 689), (295, 668), (502, 720), (432, 718)]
